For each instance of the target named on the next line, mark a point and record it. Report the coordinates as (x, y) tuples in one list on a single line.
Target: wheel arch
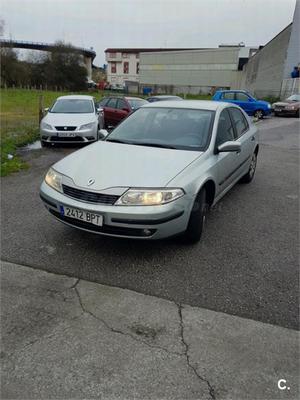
[(210, 188)]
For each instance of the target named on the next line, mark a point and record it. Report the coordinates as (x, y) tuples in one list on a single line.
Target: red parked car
[(118, 108)]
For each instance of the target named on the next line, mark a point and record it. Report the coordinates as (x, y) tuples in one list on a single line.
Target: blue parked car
[(257, 108)]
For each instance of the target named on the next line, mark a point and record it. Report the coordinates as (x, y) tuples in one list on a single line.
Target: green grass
[(19, 126)]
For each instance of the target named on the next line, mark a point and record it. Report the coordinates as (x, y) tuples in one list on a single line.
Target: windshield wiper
[(163, 146)]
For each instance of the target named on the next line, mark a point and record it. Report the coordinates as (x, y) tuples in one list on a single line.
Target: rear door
[(122, 110), (110, 111)]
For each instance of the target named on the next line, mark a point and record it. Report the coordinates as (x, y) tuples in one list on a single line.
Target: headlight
[(87, 126), (146, 197), (269, 105), (46, 126), (290, 107), (54, 180)]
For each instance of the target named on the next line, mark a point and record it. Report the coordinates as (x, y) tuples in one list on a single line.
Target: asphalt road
[(246, 264)]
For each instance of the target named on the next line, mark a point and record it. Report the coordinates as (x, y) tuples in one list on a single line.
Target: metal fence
[(289, 86)]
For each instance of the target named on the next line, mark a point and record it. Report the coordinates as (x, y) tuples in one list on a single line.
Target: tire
[(259, 114), (45, 144), (276, 114), (195, 226), (248, 177)]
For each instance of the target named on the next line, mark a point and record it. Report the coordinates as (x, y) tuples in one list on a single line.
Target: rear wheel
[(259, 114), (250, 174), (195, 226)]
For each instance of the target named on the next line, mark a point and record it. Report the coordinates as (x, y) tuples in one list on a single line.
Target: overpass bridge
[(88, 54)]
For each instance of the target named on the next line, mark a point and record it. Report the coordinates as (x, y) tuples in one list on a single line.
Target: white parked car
[(75, 119)]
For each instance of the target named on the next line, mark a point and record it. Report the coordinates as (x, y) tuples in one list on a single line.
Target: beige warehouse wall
[(263, 74)]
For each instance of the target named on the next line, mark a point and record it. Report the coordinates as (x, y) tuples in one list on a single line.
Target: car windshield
[(72, 106), (294, 97), (136, 103), (176, 128)]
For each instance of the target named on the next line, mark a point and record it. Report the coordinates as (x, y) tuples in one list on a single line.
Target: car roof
[(133, 98), (76, 97), (192, 104), (163, 96)]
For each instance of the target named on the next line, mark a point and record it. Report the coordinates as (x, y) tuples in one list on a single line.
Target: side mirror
[(229, 147), (125, 109), (46, 109), (103, 133), (99, 110)]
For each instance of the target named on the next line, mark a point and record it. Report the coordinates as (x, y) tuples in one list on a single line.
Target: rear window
[(136, 103)]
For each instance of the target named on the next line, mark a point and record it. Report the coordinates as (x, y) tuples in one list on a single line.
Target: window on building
[(137, 55), (239, 121), (113, 67), (225, 131), (125, 55), (228, 95), (112, 55), (126, 67), (137, 67)]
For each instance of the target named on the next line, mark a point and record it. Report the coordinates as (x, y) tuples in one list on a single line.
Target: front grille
[(108, 229), (65, 128), (90, 197), (67, 139)]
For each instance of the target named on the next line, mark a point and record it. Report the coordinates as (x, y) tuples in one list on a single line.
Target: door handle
[(252, 139)]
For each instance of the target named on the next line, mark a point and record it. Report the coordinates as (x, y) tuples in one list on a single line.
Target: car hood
[(286, 103), (262, 103), (121, 165), (69, 119)]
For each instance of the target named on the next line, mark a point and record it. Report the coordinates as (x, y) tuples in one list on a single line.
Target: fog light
[(147, 232)]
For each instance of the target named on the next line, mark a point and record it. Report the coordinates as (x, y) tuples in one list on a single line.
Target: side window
[(225, 131), (239, 121), (242, 96), (121, 104), (112, 103), (103, 102), (228, 96)]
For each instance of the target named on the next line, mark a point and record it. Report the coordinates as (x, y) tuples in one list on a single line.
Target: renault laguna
[(157, 173)]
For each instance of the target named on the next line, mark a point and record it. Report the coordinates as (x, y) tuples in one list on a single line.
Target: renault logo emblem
[(91, 182)]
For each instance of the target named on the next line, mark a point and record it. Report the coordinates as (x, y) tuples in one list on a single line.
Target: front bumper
[(139, 222), (78, 136), (285, 111)]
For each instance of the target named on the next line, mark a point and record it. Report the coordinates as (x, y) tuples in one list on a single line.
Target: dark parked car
[(289, 106), (118, 108), (152, 99), (243, 99)]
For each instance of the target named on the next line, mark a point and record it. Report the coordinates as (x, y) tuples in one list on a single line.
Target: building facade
[(123, 64), (194, 71)]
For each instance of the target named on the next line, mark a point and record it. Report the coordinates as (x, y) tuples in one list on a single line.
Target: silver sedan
[(157, 173), (72, 119)]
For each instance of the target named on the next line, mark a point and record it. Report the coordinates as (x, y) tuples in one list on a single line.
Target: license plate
[(82, 215), (66, 134)]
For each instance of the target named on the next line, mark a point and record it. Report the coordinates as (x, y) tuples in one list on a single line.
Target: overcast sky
[(146, 23)]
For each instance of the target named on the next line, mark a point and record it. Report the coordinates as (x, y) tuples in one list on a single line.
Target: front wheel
[(195, 226), (250, 174), (259, 114)]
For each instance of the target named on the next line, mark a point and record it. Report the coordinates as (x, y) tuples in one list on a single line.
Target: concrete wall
[(264, 72), (293, 53), (190, 71)]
